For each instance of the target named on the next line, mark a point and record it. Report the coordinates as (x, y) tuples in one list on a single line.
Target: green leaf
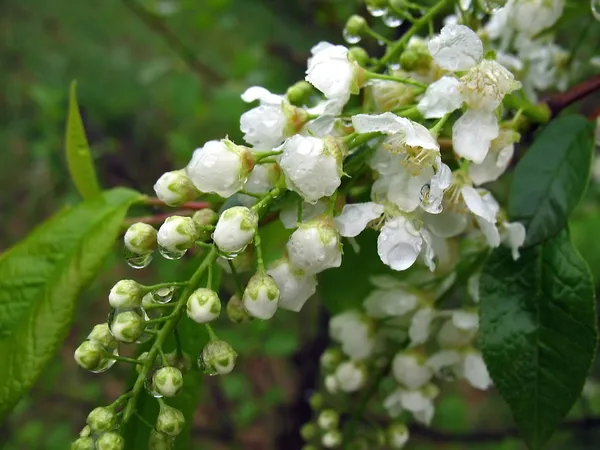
[(583, 230), (552, 177), (538, 332), (40, 281), (79, 158)]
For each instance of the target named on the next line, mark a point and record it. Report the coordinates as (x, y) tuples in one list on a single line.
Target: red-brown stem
[(157, 218), (560, 101), (189, 205)]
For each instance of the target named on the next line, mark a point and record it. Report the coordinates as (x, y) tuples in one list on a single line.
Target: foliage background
[(145, 110)]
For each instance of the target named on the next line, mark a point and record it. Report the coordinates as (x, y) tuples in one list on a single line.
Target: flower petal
[(483, 206), (355, 217), (263, 95), (456, 48), (399, 244), (386, 123), (475, 371), (473, 133), (441, 97), (514, 236)]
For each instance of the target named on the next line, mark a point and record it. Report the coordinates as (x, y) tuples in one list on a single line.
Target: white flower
[(446, 224), (127, 326), (220, 167), (263, 126), (140, 238), (459, 331), (409, 371), (331, 71), (400, 243), (420, 326), (485, 208), (456, 48), (532, 16), (261, 296), (485, 85), (126, 294), (177, 234), (403, 188), (315, 246), (350, 376), (418, 402), (331, 384), (475, 371), (497, 160), (235, 229), (467, 364), (295, 288), (514, 236), (175, 188), (289, 214), (167, 381), (354, 332), (262, 178), (354, 218), (395, 302), (442, 97), (203, 305), (328, 419), (312, 166), (473, 133)]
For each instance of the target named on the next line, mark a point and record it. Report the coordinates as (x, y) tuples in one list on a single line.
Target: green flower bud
[(127, 326), (316, 401), (299, 93), (308, 431), (359, 55), (83, 443), (160, 441), (126, 294), (356, 25), (167, 381), (101, 334), (175, 188), (176, 235), (261, 296), (328, 419), (140, 238), (243, 262), (205, 217), (170, 421), (101, 419), (110, 441), (203, 305), (332, 439), (331, 358), (397, 435), (217, 358), (180, 360), (236, 311), (85, 431), (91, 355)]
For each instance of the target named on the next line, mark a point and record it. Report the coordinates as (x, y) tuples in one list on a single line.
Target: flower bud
[(315, 246), (110, 441), (205, 217), (332, 439), (175, 188), (328, 419), (126, 294), (411, 370), (167, 381), (261, 296), (299, 93), (127, 326), (203, 305), (308, 431), (397, 435), (101, 419), (331, 358), (295, 288), (217, 358), (140, 238), (160, 441), (350, 376), (220, 167), (181, 361), (91, 355), (245, 261), (331, 384), (356, 25), (359, 55), (236, 311), (101, 334), (170, 421), (85, 431), (316, 401), (177, 234), (83, 443), (235, 229)]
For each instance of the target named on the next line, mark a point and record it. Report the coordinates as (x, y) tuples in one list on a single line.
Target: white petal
[(473, 287), (494, 165), (428, 253), (408, 371), (446, 224), (431, 200), (473, 133), (386, 123), (451, 337), (399, 244), (490, 231), (475, 371), (260, 93), (264, 126), (456, 48), (465, 320), (477, 205), (443, 359), (404, 189), (514, 236), (419, 326), (294, 289), (355, 217), (441, 97), (394, 302), (330, 71)]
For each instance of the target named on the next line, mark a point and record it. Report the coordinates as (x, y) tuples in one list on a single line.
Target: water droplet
[(376, 11), (424, 194), (595, 5), (147, 303), (137, 261), (447, 374), (139, 311), (351, 38), (106, 363), (164, 295), (394, 66), (204, 368), (149, 384), (230, 256), (380, 42), (392, 20), (168, 254)]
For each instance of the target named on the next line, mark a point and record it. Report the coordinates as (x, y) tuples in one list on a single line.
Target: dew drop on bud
[(395, 66), (376, 11), (149, 383), (351, 38), (168, 254), (136, 261), (127, 325), (595, 5), (205, 368), (164, 295), (392, 21)]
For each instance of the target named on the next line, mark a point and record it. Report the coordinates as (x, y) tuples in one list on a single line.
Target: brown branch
[(156, 24), (189, 205), (156, 218), (559, 102)]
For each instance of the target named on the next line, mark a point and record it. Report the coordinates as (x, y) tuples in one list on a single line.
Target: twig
[(156, 24), (189, 205), (559, 102), (156, 218)]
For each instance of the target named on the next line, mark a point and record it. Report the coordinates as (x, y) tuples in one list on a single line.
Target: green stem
[(377, 36), (268, 198), (159, 306), (331, 204), (260, 264), (262, 155), (154, 287), (395, 50), (437, 128), (357, 139), (212, 337), (125, 359), (161, 319), (236, 278), (382, 76), (165, 331), (539, 113), (163, 357)]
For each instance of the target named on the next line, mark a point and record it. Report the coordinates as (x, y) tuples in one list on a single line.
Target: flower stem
[(540, 113), (437, 128), (165, 331), (125, 359), (268, 198), (211, 333), (262, 155), (382, 76), (238, 283), (154, 287), (260, 264)]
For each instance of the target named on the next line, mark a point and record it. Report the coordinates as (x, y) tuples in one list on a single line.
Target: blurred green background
[(152, 87)]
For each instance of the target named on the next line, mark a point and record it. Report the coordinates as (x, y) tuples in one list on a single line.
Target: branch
[(156, 24), (189, 205), (156, 218), (561, 101)]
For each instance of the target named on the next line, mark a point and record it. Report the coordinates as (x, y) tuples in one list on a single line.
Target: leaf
[(538, 332), (583, 230), (552, 177), (79, 158), (40, 281)]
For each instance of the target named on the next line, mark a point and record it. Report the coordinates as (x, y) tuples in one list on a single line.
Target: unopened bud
[(170, 421), (126, 294), (308, 431), (235, 229), (83, 443), (160, 441), (236, 311), (332, 439), (203, 305), (315, 246), (127, 326), (356, 25), (316, 401), (205, 217), (299, 93), (261, 296), (175, 188), (85, 431), (217, 358), (101, 419), (350, 376), (91, 355), (245, 261), (167, 381), (110, 441), (331, 358), (180, 360), (177, 234), (101, 334), (397, 435), (331, 384), (140, 238), (359, 55), (328, 419)]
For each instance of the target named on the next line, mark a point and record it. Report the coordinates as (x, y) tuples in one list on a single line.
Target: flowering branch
[(561, 101)]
